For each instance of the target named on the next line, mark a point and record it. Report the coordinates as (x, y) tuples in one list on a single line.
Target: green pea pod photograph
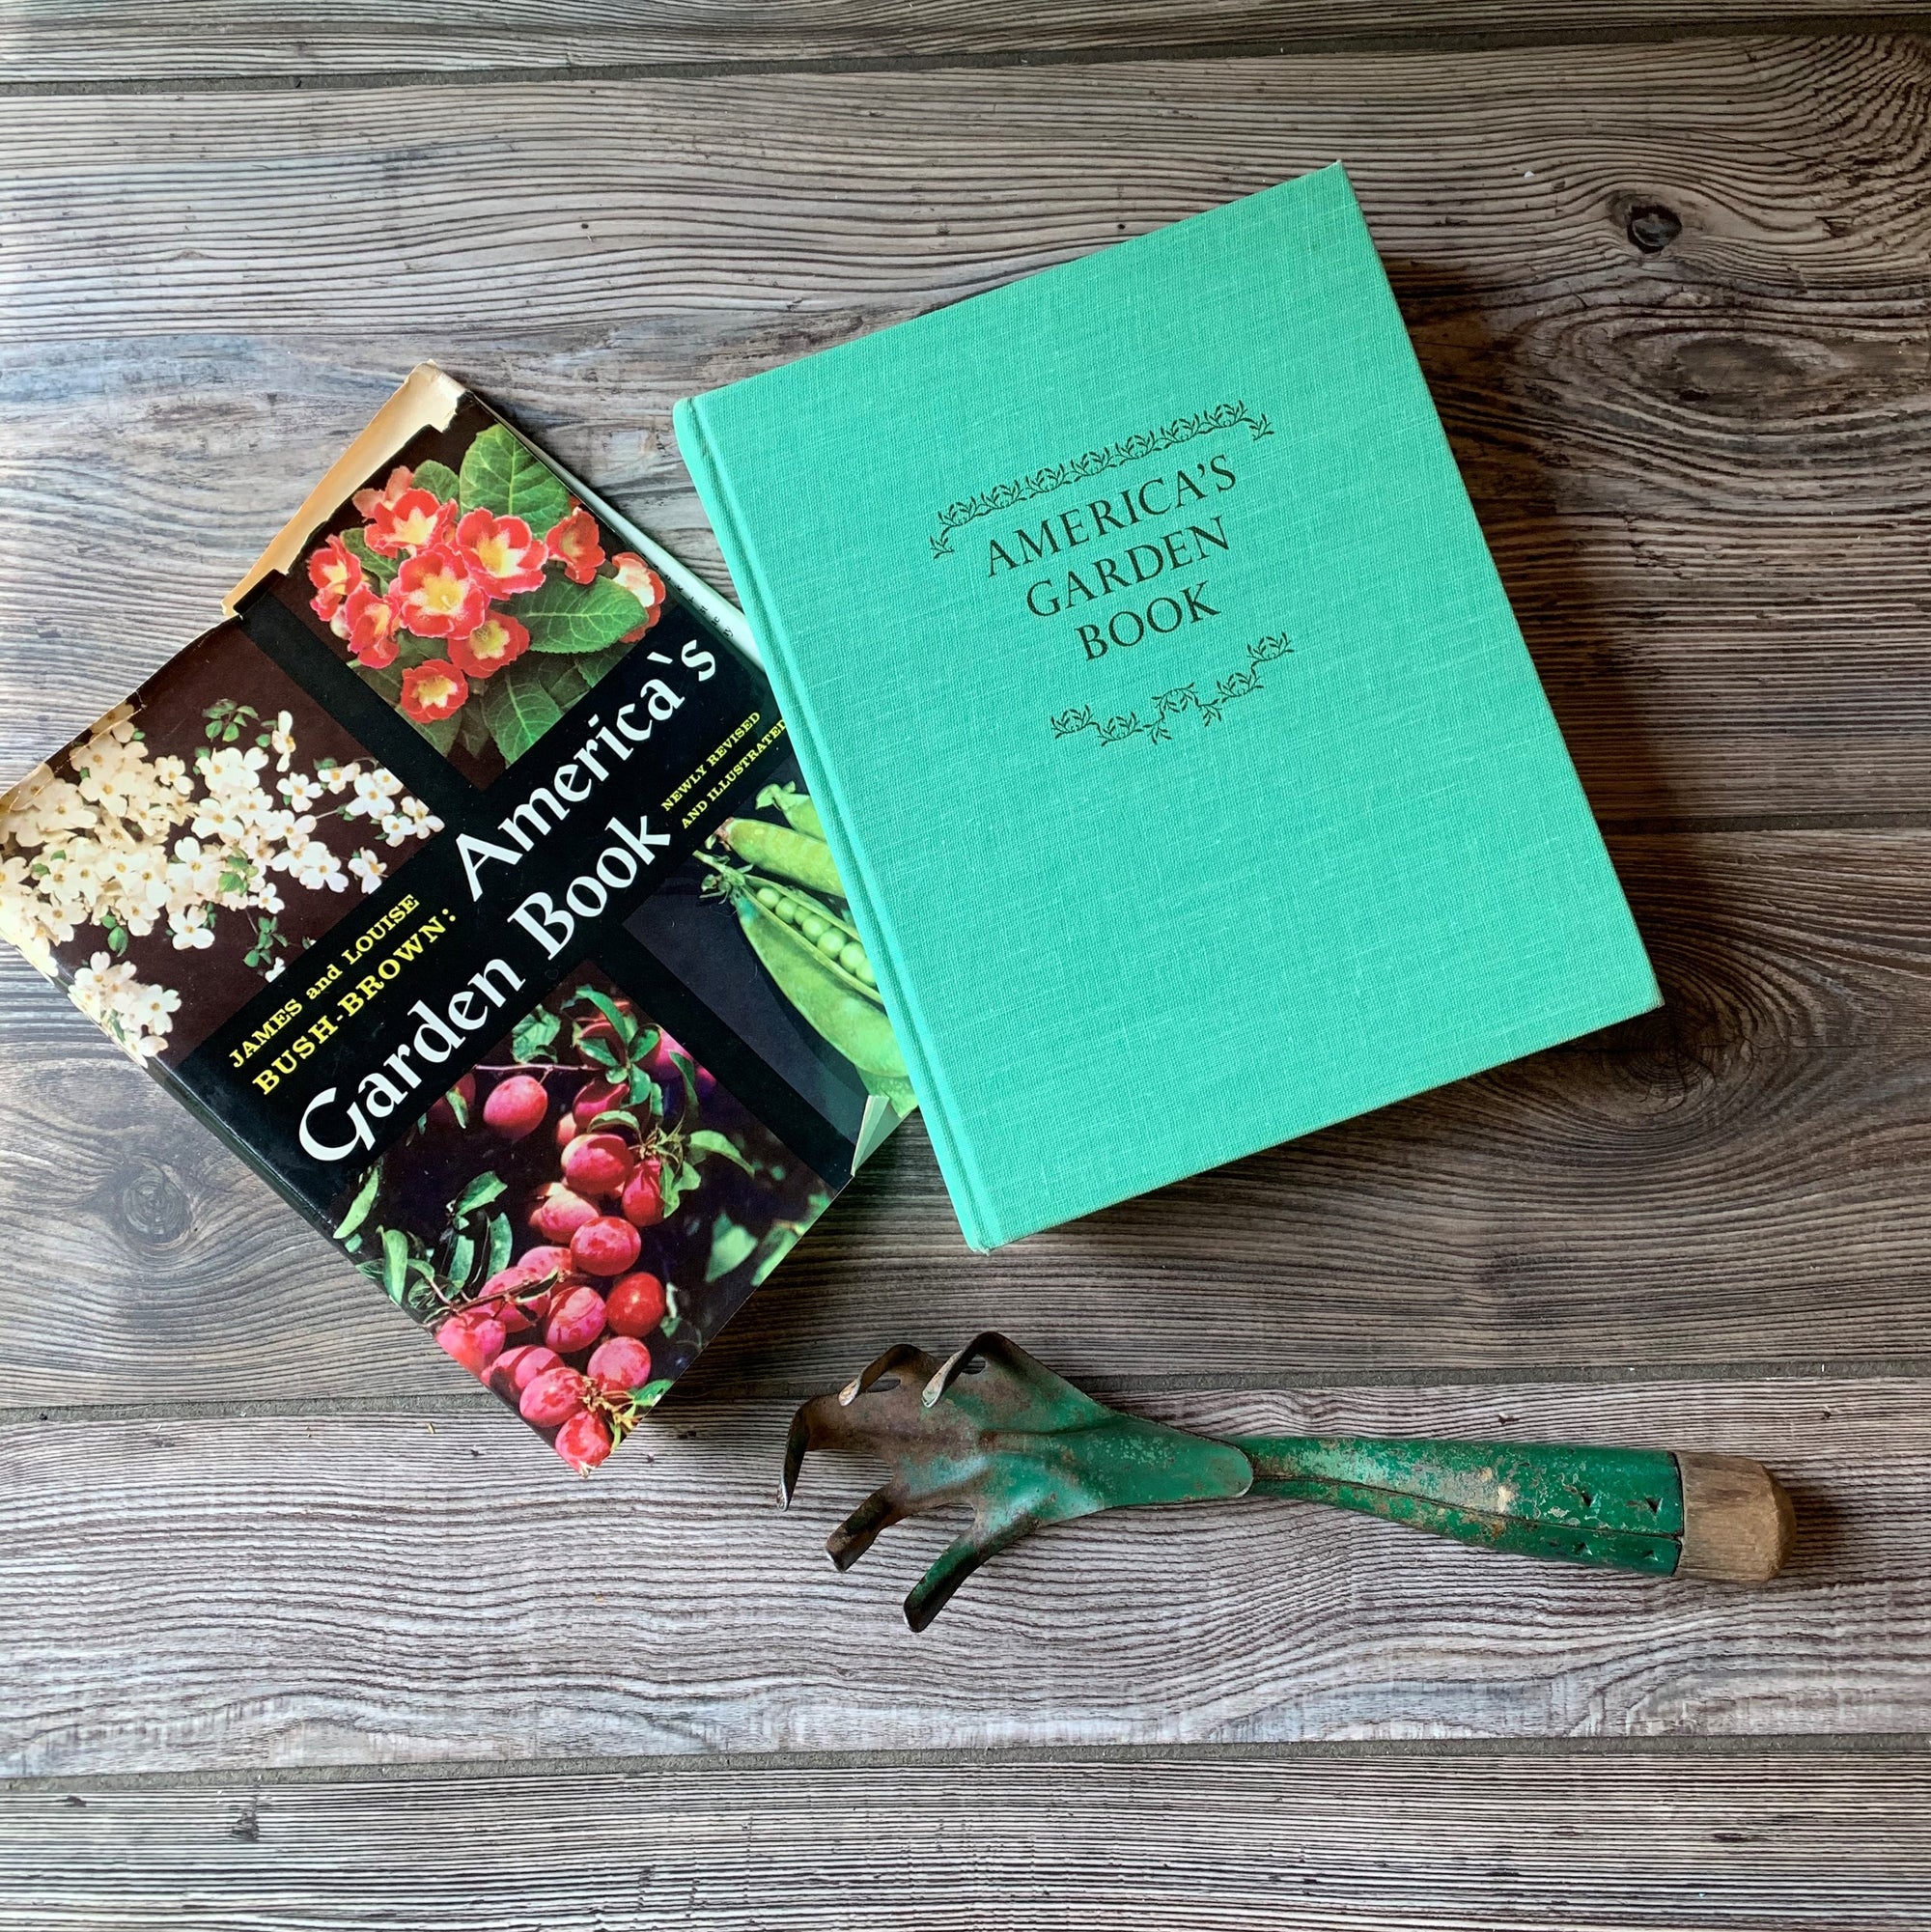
[(782, 882)]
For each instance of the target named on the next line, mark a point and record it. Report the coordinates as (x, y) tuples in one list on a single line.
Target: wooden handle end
[(1738, 1525)]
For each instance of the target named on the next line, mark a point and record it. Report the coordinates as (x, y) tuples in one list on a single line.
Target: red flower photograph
[(498, 640), (501, 554), (435, 596), (371, 621), (413, 521), (477, 597), (576, 543), (433, 691), (335, 571), (644, 585)]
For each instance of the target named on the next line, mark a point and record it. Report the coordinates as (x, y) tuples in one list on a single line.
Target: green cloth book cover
[(1192, 782)]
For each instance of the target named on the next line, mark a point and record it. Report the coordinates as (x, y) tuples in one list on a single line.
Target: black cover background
[(266, 1124)]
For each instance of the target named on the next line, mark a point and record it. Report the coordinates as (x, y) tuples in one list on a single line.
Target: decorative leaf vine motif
[(1241, 683), (1057, 476)]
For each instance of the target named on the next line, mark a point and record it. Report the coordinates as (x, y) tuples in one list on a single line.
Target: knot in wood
[(1653, 227), (151, 1204)]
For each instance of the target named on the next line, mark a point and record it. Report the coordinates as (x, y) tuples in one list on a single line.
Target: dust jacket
[(466, 882), (1179, 746)]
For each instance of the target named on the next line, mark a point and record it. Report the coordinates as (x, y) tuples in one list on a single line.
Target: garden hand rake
[(993, 1428)]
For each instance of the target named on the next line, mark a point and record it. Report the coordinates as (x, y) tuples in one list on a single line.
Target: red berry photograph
[(580, 1214)]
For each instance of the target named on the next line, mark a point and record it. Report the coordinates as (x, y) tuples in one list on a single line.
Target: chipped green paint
[(1617, 1509), (996, 1430)]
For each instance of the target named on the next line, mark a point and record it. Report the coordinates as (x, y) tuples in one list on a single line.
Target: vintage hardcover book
[(466, 882), (1179, 746)]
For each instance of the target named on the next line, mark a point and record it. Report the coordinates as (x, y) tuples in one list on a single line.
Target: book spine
[(847, 850)]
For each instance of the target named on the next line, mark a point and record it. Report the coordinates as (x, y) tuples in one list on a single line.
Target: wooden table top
[(297, 1628)]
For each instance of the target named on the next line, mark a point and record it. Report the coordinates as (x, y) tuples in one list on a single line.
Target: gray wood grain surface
[(103, 41), (383, 1588), (1667, 444), (1214, 1841), (298, 1629), (1641, 1202)]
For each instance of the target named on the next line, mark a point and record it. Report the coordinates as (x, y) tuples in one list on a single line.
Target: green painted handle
[(1620, 1509)]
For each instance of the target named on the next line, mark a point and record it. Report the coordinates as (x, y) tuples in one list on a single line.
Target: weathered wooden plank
[(108, 40), (241, 1593), (1692, 463), (1666, 477), (1738, 1178), (1214, 1842), (1790, 162)]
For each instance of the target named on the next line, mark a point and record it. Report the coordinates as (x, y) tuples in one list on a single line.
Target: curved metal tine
[(988, 1343), (860, 1530), (901, 1355), (956, 1562), (796, 1442)]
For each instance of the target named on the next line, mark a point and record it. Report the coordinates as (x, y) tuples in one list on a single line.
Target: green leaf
[(458, 1106), (375, 566), (687, 1073), (772, 1249), (479, 1194), (411, 651), (395, 1263), (441, 732), (731, 1246), (475, 736), (438, 479), (533, 1036), (708, 1140), (625, 1027), (365, 1199), (517, 711), (558, 676), (596, 1050), (651, 1393), (499, 1245), (564, 616), (669, 1193), (571, 678), (461, 1259), (386, 684), (502, 474), (643, 1089)]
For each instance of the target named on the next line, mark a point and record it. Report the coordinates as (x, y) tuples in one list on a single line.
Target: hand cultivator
[(992, 1428)]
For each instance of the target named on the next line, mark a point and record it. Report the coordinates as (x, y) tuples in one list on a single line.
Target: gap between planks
[(497, 1771), (1656, 33), (1118, 1390)]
